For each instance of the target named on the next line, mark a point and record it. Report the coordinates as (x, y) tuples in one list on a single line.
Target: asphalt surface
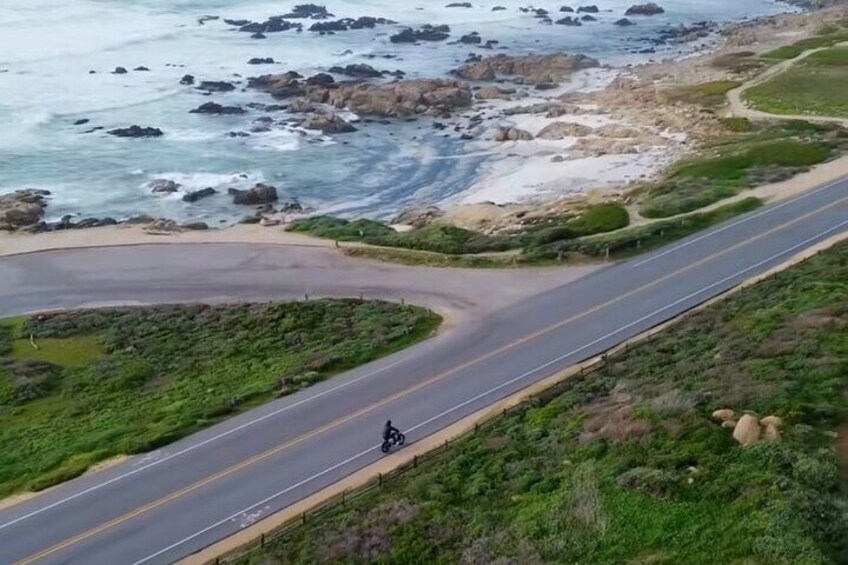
[(168, 504)]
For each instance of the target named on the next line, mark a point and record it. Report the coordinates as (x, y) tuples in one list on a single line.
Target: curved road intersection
[(166, 505)]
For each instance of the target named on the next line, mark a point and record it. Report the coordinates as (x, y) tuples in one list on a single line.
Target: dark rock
[(498, 8), (119, 71), (458, 5), (313, 11), (649, 9), (164, 186), (325, 27), (568, 21), (203, 19), (426, 32), (624, 22), (199, 194), (261, 61), (216, 109), (291, 207), (136, 131), (566, 9), (216, 86), (359, 70), (94, 129), (258, 35), (141, 69), (140, 219), (81, 121), (546, 86), (588, 9), (187, 80), (588, 18), (22, 209), (321, 79), (259, 194), (328, 124), (195, 226), (237, 23), (472, 38), (238, 134)]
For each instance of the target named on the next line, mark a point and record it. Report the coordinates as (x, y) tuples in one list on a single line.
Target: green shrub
[(738, 125), (329, 227)]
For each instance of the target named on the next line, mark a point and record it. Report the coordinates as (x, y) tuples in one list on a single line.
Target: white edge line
[(490, 391), (736, 223)]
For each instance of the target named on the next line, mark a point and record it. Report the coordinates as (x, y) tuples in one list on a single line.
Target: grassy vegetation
[(825, 40), (451, 240), (708, 94), (616, 245), (627, 465), (740, 161), (121, 381), (737, 125), (815, 86)]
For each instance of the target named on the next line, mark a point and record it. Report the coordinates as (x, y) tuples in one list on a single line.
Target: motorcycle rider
[(389, 431)]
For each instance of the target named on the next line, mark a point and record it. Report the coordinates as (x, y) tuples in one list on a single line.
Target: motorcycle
[(396, 438)]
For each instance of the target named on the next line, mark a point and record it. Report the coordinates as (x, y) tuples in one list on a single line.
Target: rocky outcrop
[(402, 98), (187, 80), (532, 69), (119, 71), (494, 93), (649, 9), (216, 86), (199, 194), (211, 108), (592, 9), (345, 24), (625, 22), (358, 70), (261, 61), (163, 186), (561, 130), (426, 32), (458, 5), (313, 11), (136, 132), (569, 21), (22, 208), (328, 124), (419, 216), (512, 134), (260, 194)]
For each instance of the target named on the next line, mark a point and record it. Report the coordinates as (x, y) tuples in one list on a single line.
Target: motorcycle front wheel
[(386, 446), (400, 439)]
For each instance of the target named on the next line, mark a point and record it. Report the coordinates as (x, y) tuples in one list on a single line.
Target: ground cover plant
[(815, 86), (122, 381), (628, 465)]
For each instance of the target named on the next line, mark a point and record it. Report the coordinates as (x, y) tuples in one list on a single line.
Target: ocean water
[(49, 47)]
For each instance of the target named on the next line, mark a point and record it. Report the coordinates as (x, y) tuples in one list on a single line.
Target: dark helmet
[(388, 422)]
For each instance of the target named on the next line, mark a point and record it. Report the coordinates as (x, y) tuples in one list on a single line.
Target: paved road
[(169, 504)]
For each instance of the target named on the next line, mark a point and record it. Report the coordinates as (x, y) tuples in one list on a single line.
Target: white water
[(49, 47)]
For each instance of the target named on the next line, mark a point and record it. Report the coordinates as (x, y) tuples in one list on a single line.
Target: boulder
[(142, 69), (211, 108), (136, 132), (261, 61), (624, 22), (588, 9), (195, 226), (216, 86), (512, 134), (260, 194), (321, 79), (649, 9), (359, 70), (458, 5), (119, 71), (771, 433), (472, 38), (494, 93), (187, 80), (199, 194), (747, 430), (419, 216), (775, 421), (569, 21), (729, 424), (22, 208), (328, 124), (533, 69), (723, 415), (161, 227), (588, 18), (561, 130), (498, 8), (163, 186), (81, 121), (566, 9), (313, 11), (426, 32)]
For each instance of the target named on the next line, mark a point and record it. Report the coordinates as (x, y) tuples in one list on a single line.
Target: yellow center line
[(370, 408)]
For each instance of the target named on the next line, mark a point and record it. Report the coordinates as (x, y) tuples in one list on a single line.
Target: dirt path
[(740, 109)]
